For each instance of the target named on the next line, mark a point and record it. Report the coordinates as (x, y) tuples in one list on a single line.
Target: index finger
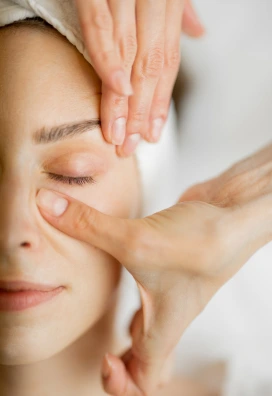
[(97, 30)]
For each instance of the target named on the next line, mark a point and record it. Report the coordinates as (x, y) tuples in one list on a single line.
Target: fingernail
[(51, 202), (122, 83), (131, 143), (156, 129), (119, 131), (106, 367)]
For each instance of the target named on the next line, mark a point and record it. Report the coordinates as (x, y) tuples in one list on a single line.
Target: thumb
[(82, 222)]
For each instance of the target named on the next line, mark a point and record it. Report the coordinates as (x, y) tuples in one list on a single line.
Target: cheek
[(91, 278), (94, 276), (94, 280), (90, 274), (116, 192)]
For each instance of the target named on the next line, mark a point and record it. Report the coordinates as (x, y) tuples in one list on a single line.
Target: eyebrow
[(65, 131)]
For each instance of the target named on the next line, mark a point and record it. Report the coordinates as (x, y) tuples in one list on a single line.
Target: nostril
[(25, 244)]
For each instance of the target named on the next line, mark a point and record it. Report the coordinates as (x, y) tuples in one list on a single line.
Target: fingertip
[(191, 24), (51, 202), (129, 146), (156, 129), (195, 32), (106, 367), (113, 375), (107, 374), (119, 131), (114, 110)]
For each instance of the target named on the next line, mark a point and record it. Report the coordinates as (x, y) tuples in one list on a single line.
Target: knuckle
[(103, 56), (101, 20), (118, 102), (128, 48), (151, 65), (237, 188), (83, 219), (172, 59), (161, 103), (139, 116), (231, 191)]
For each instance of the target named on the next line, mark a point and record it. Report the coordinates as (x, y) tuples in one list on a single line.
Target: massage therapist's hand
[(179, 257), (137, 41)]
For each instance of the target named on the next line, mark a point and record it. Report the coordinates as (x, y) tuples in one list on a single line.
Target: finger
[(166, 374), (252, 223), (114, 112), (125, 376), (246, 229), (168, 370), (146, 70), (82, 222), (134, 320), (124, 30), (114, 108), (191, 24), (164, 88), (146, 375), (97, 30), (116, 379), (145, 361)]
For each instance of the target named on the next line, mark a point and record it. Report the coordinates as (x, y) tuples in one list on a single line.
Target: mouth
[(19, 295), (23, 286)]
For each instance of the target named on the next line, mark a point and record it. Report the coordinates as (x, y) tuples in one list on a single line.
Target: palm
[(183, 256)]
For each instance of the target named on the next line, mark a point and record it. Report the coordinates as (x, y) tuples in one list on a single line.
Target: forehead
[(43, 77)]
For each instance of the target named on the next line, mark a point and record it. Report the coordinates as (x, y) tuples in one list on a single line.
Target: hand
[(179, 257), (141, 39)]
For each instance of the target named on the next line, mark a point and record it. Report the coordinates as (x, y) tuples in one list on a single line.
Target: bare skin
[(56, 347), (135, 41), (179, 257), (44, 351)]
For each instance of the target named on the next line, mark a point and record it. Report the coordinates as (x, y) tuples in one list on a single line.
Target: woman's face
[(45, 83)]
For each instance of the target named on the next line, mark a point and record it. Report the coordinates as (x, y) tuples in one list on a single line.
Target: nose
[(18, 228)]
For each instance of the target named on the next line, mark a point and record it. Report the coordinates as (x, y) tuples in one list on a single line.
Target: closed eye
[(72, 180)]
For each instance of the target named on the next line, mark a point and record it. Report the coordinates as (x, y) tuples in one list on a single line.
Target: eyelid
[(76, 163), (80, 180)]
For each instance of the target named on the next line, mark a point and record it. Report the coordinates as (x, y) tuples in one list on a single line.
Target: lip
[(22, 285), (18, 295)]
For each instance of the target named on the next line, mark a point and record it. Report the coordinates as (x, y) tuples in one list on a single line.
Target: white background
[(226, 115)]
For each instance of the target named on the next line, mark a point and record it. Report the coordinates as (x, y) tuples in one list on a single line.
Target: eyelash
[(80, 181)]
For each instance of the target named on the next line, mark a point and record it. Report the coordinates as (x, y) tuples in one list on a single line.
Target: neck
[(74, 371)]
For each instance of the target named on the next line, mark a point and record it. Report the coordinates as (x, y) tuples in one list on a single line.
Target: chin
[(29, 344), (19, 350)]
